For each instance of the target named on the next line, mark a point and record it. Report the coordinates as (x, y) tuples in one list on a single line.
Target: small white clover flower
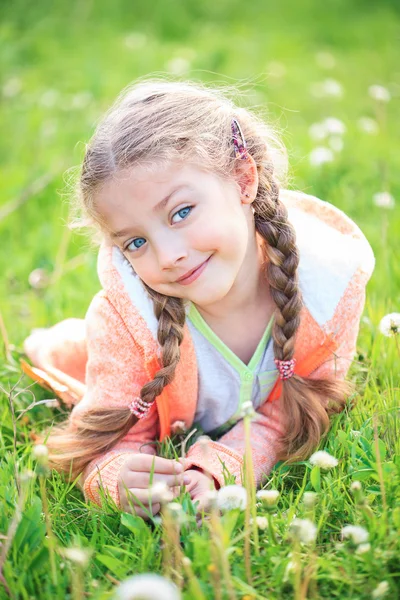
[(268, 497), (147, 586), (40, 451), (79, 556), (323, 459), (320, 155), (230, 497), (379, 93), (368, 125), (384, 200), (390, 325), (304, 530), (381, 590), (356, 486), (247, 410), (357, 534), (362, 548), (310, 499), (261, 522)]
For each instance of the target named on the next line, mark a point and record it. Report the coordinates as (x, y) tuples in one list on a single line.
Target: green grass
[(62, 65)]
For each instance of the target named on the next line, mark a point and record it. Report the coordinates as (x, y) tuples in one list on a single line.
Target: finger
[(139, 512), (142, 480), (148, 462)]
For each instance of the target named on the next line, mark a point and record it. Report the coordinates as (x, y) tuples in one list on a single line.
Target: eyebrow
[(158, 208)]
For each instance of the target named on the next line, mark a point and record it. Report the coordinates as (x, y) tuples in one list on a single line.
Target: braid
[(271, 222), (171, 315)]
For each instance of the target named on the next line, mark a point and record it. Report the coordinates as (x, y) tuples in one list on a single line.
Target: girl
[(218, 288)]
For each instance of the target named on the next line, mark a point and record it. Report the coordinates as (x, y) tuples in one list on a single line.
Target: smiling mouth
[(192, 272)]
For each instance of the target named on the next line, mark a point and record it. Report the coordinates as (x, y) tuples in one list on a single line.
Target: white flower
[(368, 125), (49, 98), (81, 100), (384, 200), (356, 486), (12, 87), (357, 534), (362, 548), (309, 499), (326, 60), (40, 451), (334, 126), (161, 491), (381, 589), (135, 40), (329, 87), (261, 522), (230, 497), (39, 278), (79, 556), (320, 155), (147, 586), (268, 497), (178, 66), (323, 459), (317, 131), (390, 324), (247, 410), (304, 530), (336, 143), (379, 93)]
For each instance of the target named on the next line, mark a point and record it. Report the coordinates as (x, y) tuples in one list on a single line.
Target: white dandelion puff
[(268, 497), (356, 533), (323, 459), (381, 590), (230, 497), (368, 125), (310, 499), (261, 522), (12, 87), (147, 586), (356, 486), (178, 65), (161, 491), (379, 93), (384, 200), (304, 530), (326, 60), (247, 410), (317, 132), (40, 451), (135, 40), (390, 324), (79, 556), (336, 143), (328, 88), (320, 155), (363, 548)]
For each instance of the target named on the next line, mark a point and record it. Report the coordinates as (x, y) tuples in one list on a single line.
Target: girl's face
[(177, 220)]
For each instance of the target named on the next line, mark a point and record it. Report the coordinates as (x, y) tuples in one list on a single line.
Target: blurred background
[(327, 74)]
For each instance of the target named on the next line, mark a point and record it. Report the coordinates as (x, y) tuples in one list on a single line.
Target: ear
[(246, 177)]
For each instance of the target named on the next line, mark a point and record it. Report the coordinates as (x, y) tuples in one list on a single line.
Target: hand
[(135, 475), (200, 483)]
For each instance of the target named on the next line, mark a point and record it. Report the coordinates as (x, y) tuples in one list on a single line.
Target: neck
[(250, 290)]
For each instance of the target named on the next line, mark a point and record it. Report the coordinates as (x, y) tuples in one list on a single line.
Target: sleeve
[(268, 429), (114, 375)]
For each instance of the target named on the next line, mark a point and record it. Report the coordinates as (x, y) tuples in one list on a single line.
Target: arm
[(267, 430), (114, 375)]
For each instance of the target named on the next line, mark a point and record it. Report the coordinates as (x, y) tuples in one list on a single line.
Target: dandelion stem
[(50, 535), (250, 482)]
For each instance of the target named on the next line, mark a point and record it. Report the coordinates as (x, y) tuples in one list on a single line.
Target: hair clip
[(139, 407), (240, 146), (285, 367)]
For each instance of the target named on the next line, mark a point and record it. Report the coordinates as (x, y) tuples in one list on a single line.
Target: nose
[(171, 254)]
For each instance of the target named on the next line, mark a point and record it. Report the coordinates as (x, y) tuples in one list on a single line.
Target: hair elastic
[(285, 367), (239, 144), (139, 407)]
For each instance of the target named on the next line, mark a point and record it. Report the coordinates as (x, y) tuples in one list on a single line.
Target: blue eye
[(137, 242), (183, 212)]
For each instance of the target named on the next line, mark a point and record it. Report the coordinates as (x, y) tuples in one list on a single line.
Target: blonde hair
[(156, 122)]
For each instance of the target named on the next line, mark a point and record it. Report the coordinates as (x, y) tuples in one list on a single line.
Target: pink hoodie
[(105, 359)]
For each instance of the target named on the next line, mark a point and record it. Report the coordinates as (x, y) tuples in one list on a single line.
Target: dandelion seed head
[(362, 548), (247, 410), (261, 522), (304, 530), (310, 499), (79, 556), (323, 459), (161, 490), (326, 60), (39, 278), (178, 65), (230, 497), (320, 155), (390, 324), (379, 93), (368, 125), (356, 533), (356, 486), (147, 586), (384, 200), (381, 590), (268, 497), (40, 451)]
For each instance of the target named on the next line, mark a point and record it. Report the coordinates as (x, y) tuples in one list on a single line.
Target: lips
[(189, 273)]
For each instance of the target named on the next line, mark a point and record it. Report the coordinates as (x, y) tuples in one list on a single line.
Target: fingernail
[(186, 479), (178, 467)]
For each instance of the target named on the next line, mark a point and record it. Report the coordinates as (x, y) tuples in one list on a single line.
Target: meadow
[(327, 75)]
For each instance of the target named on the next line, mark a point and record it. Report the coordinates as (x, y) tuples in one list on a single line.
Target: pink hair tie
[(139, 407), (286, 367), (239, 143)]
